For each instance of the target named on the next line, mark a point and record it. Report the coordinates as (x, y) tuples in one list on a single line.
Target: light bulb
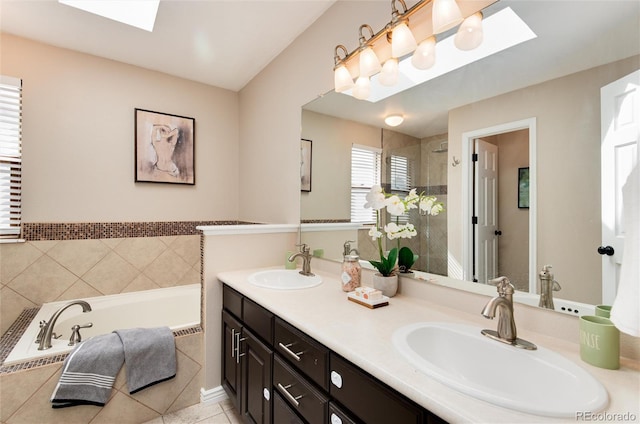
[(470, 35), (402, 40), (362, 88), (425, 55), (369, 63), (446, 14), (394, 120), (389, 74), (343, 80)]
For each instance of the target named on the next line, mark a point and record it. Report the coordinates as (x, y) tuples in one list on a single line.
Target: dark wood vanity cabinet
[(247, 358), (274, 373)]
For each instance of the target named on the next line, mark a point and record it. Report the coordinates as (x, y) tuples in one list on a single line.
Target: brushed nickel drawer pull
[(286, 347), (293, 399)]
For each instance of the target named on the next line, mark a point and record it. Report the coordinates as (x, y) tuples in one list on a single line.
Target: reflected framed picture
[(305, 165), (523, 188), (164, 148)]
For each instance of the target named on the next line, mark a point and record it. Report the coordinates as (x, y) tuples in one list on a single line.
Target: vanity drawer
[(258, 319), (232, 301), (367, 398), (338, 416), (304, 353), (299, 394), (282, 412)]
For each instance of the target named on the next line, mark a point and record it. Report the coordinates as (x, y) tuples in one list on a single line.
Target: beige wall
[(270, 110), (78, 139), (330, 196), (568, 138)]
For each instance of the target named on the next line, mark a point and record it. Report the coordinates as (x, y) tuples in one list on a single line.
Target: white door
[(620, 114), (486, 211)]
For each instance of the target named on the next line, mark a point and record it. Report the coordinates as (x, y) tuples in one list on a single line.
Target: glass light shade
[(402, 40), (362, 88), (369, 63), (446, 14), (469, 35), (394, 120), (342, 79), (389, 74), (425, 55)]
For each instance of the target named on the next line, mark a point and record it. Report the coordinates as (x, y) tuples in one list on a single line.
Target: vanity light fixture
[(343, 80), (394, 120), (470, 34), (369, 63), (374, 51)]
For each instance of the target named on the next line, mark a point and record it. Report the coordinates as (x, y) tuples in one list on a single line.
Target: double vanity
[(294, 343)]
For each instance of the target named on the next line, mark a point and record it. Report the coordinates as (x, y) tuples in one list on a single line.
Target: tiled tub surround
[(37, 272), (363, 336), (176, 307)]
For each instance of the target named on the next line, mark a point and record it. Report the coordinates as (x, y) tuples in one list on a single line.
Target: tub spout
[(47, 328)]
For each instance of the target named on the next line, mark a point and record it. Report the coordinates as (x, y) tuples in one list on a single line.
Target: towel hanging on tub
[(88, 373)]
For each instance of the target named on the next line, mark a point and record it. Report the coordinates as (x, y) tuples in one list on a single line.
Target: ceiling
[(223, 43), (191, 39), (571, 36)]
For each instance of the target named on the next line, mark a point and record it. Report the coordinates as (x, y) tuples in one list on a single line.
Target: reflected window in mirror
[(365, 173)]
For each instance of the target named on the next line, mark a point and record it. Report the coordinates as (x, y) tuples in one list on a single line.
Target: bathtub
[(175, 307)]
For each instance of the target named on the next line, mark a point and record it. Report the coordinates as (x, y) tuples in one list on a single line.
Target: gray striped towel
[(88, 372), (149, 355)]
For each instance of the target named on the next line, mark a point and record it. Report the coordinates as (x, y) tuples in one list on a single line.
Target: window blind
[(365, 173), (401, 181), (10, 156)]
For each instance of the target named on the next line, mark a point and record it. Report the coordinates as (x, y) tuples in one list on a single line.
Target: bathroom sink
[(538, 382), (283, 279)]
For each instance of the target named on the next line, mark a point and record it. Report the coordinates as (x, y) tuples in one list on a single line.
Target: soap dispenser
[(351, 269)]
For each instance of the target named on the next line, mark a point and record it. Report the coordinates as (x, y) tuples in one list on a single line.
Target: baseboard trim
[(214, 395)]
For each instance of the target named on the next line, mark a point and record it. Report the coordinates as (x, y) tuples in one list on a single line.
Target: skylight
[(140, 13), (502, 30)]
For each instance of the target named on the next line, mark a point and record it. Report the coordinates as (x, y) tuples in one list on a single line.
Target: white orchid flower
[(375, 233), (395, 205), (375, 198), (436, 209), (426, 204)]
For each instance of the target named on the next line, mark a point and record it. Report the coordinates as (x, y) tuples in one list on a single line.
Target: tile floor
[(202, 413)]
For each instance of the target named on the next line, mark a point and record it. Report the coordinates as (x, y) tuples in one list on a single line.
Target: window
[(401, 181), (365, 173), (10, 156)]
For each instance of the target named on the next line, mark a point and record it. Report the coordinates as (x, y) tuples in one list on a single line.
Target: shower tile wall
[(36, 272)]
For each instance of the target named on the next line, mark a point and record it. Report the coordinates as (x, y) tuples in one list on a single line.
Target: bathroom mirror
[(551, 83)]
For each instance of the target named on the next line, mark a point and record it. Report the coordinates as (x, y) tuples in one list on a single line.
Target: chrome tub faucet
[(503, 304), (305, 254), (46, 327), (547, 286)]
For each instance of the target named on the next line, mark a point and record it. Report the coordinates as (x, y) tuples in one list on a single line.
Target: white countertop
[(363, 336)]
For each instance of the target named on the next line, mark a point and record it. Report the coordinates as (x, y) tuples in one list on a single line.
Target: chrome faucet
[(547, 286), (348, 250), (305, 254), (46, 328), (503, 303)]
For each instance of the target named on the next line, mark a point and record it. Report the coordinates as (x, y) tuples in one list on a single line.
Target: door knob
[(606, 250), (498, 232)]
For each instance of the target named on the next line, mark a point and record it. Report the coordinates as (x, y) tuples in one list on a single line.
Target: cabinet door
[(231, 329), (256, 380), (282, 413)]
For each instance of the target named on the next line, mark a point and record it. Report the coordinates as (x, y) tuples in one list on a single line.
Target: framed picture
[(523, 188), (165, 148), (305, 165)]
